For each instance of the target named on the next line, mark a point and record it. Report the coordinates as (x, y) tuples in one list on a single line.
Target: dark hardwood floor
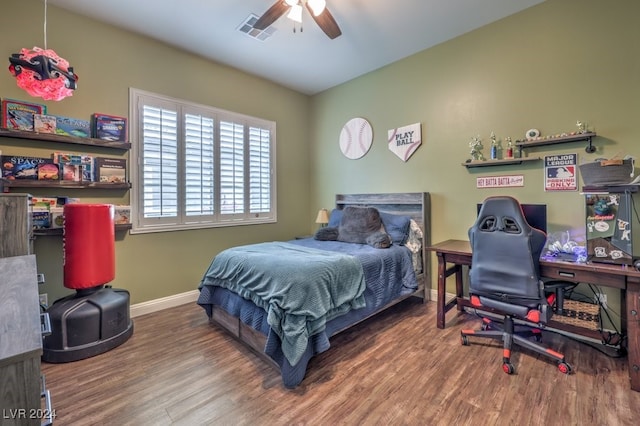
[(394, 369)]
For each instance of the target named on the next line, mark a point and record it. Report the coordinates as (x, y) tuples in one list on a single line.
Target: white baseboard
[(163, 303)]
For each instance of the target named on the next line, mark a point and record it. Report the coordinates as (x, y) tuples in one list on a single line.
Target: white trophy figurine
[(582, 128)]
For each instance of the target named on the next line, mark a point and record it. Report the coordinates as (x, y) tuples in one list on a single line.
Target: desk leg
[(459, 292), (442, 266), (444, 306), (633, 332)]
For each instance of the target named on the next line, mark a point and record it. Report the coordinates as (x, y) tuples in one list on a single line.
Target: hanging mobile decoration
[(41, 72)]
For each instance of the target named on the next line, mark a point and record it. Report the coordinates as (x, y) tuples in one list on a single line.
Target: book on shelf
[(110, 170), (71, 172), (43, 123), (75, 167), (109, 127), (67, 126), (20, 167), (18, 115), (48, 171), (122, 214)]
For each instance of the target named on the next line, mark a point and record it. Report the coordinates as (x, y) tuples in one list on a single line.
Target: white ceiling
[(374, 32)]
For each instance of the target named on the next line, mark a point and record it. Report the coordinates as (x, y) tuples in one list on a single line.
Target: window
[(198, 166)]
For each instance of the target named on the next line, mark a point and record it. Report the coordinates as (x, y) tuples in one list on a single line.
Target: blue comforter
[(300, 288), (388, 275)]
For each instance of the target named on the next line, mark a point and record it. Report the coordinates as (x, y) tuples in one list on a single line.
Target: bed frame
[(413, 204)]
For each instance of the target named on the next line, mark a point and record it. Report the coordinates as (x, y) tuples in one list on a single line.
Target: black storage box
[(87, 323)]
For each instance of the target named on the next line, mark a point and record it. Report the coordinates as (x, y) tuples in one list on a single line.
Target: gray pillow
[(328, 233), (358, 223), (379, 240)]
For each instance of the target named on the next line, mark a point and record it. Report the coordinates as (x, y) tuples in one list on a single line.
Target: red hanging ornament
[(42, 73)]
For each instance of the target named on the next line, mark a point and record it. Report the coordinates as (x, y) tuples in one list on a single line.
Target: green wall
[(545, 68), (108, 62)]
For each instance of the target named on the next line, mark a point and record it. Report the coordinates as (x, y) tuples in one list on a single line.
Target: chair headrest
[(503, 213)]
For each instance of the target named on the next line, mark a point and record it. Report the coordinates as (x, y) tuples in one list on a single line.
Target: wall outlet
[(601, 299), (40, 278), (44, 299)]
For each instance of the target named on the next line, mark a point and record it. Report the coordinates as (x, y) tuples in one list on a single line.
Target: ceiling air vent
[(247, 28)]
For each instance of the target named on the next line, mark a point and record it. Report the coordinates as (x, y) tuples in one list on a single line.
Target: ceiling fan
[(317, 9)]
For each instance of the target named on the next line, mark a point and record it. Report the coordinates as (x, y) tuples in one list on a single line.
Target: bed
[(250, 290)]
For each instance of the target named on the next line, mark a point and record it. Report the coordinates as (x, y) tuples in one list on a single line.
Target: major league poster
[(561, 172)]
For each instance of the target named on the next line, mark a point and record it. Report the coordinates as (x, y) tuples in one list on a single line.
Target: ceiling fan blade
[(326, 22), (271, 15)]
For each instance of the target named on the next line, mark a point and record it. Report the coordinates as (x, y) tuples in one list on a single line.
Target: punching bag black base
[(86, 324)]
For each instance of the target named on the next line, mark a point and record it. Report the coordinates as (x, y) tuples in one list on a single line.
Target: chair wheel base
[(508, 368), (564, 368)]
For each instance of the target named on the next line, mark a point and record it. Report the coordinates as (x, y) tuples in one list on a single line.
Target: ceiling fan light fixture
[(295, 14), (321, 15), (317, 6)]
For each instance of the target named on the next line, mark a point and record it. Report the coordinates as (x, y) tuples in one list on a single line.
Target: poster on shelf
[(560, 172)]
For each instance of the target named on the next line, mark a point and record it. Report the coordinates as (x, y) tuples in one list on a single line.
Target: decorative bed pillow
[(359, 223), (379, 240), (335, 218), (329, 233), (414, 241), (398, 227), (414, 244)]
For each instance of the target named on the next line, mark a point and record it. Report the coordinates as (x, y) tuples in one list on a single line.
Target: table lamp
[(322, 218)]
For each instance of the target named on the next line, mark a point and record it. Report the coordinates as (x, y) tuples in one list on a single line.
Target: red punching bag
[(89, 245)]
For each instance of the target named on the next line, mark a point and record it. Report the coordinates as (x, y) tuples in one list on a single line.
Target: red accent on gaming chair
[(505, 278)]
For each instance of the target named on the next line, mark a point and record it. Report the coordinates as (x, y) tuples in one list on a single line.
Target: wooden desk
[(457, 253)]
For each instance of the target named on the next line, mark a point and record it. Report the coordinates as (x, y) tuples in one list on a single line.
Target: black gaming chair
[(504, 282)]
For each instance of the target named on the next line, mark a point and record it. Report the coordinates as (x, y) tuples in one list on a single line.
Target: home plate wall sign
[(404, 141), (499, 181), (355, 138)]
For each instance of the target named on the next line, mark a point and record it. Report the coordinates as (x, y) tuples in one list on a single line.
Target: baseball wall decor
[(404, 141), (355, 138)]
